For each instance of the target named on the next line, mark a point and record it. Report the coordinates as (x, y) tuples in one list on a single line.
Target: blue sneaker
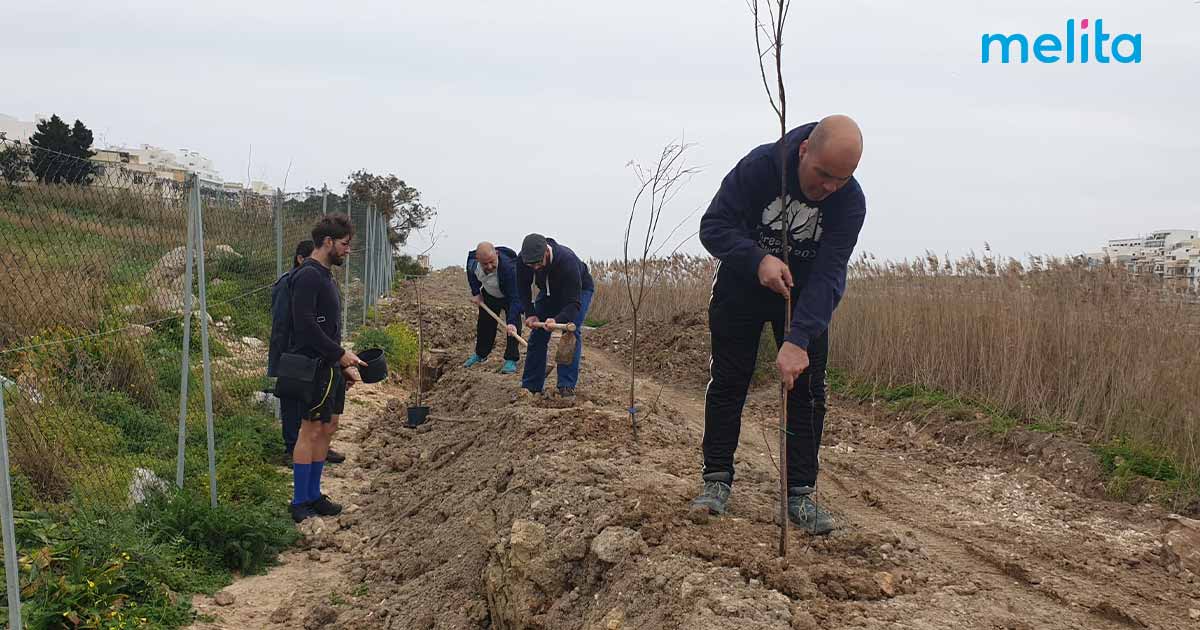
[(475, 358), (509, 367)]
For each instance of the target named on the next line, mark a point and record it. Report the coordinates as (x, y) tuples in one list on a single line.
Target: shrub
[(398, 342), (243, 538)]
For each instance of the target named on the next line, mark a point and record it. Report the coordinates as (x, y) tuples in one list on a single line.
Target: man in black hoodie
[(565, 293), (317, 333), (742, 228)]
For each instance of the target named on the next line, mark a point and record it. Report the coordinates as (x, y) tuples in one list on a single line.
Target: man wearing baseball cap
[(565, 292)]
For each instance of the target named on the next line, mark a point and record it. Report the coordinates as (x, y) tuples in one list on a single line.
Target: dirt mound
[(519, 510), (675, 352), (508, 510)]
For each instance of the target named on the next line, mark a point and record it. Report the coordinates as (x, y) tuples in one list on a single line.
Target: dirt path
[(307, 576), (994, 547)]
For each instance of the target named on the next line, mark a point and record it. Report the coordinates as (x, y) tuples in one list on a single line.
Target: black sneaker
[(301, 511), (715, 495), (804, 512), (325, 507), (334, 457)]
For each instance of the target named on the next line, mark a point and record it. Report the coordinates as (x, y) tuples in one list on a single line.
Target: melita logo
[(1076, 47)]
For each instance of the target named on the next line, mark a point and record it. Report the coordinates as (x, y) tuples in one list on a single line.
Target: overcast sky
[(513, 117)]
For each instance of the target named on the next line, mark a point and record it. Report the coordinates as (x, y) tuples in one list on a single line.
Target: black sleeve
[(524, 288), (570, 285), (305, 290)]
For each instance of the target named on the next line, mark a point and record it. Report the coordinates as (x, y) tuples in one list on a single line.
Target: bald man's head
[(485, 253), (829, 157)]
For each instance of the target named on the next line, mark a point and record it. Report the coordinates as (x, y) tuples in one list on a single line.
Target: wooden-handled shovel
[(565, 353), (504, 325)]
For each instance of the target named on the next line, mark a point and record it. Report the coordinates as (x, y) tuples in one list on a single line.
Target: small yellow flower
[(91, 584)]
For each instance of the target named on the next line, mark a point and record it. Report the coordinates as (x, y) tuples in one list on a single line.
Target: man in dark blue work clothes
[(742, 229), (492, 276), (565, 293)]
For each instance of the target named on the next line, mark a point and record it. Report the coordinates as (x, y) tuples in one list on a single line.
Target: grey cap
[(533, 249)]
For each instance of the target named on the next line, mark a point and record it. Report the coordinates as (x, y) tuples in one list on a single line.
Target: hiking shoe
[(804, 512), (566, 392), (475, 358), (334, 457), (509, 367), (716, 493), (301, 511), (325, 507)]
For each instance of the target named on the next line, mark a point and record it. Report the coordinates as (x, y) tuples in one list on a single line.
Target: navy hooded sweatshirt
[(506, 269), (281, 321), (561, 282), (744, 221)]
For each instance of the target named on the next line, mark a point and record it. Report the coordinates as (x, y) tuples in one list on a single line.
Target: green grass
[(111, 406), (1122, 461)]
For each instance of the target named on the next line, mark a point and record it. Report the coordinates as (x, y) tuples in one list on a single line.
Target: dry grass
[(36, 298), (678, 284), (1047, 340), (1050, 340)]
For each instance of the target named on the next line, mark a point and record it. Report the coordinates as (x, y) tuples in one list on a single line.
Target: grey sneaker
[(566, 392), (805, 513), (716, 493)]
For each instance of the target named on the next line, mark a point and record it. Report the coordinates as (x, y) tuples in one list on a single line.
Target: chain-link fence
[(134, 324)]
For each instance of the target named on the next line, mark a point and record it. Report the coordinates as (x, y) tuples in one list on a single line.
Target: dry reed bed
[(1046, 340)]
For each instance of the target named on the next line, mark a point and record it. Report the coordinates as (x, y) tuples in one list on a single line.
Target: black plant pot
[(376, 369), (417, 416)]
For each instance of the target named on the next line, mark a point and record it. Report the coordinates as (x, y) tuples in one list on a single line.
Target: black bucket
[(417, 415), (376, 368)]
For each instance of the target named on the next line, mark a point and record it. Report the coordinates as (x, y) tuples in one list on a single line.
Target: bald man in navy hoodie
[(742, 229)]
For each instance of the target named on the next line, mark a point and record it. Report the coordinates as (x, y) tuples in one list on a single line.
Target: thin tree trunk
[(633, 377), (420, 343)]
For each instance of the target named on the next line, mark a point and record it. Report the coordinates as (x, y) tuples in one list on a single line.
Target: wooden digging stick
[(503, 325), (569, 327)]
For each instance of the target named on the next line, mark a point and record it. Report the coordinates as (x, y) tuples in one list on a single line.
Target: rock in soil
[(614, 544), (320, 617), (224, 598)]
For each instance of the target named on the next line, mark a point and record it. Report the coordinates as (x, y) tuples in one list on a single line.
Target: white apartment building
[(1173, 255), (163, 160)]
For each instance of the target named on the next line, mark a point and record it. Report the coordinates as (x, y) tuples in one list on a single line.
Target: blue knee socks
[(301, 482)]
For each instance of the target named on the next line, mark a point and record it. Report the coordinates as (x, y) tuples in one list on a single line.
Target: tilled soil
[(511, 511)]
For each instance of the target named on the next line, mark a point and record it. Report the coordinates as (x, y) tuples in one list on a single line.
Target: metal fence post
[(346, 284), (366, 265), (208, 410), (278, 233), (185, 368), (324, 201), (391, 260), (11, 570)]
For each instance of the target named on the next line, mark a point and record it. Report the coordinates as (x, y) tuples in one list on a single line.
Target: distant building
[(19, 130), (423, 260), (1173, 255)]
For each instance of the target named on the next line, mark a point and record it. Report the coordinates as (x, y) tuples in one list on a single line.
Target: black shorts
[(331, 396)]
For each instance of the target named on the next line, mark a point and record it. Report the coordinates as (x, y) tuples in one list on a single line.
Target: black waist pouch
[(297, 377)]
